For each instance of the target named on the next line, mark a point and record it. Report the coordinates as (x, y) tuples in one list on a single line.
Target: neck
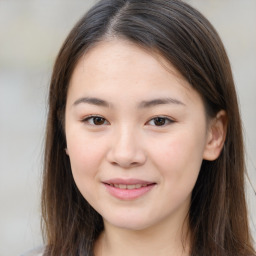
[(163, 239)]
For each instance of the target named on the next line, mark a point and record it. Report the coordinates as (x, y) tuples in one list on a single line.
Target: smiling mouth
[(125, 186), (128, 189)]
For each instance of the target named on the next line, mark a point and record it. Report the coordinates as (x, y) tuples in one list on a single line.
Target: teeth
[(138, 186), (131, 186), (123, 186)]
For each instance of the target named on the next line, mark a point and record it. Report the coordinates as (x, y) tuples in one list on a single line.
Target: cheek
[(84, 156), (179, 158)]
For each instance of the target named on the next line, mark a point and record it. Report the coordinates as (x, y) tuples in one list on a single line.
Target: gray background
[(31, 33)]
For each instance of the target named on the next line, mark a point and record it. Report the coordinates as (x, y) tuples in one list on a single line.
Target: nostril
[(126, 164), (114, 163)]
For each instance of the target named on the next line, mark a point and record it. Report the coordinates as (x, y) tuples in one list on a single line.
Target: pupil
[(159, 121), (98, 120)]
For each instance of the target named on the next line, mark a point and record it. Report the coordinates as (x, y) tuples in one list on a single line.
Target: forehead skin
[(96, 63)]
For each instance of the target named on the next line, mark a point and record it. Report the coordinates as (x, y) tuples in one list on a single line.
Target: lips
[(124, 186), (128, 189)]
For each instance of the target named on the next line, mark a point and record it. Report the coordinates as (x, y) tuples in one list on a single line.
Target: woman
[(144, 150)]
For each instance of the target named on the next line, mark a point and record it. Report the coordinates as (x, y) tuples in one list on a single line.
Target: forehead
[(123, 65), (102, 54)]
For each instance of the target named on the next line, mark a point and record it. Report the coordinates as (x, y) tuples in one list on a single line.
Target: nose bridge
[(126, 142), (126, 149)]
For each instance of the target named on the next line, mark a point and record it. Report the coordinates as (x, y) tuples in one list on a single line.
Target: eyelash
[(93, 118), (166, 120), (162, 119)]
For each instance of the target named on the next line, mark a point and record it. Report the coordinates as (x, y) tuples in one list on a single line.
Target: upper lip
[(127, 181)]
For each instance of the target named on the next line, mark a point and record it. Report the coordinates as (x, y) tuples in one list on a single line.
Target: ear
[(216, 136)]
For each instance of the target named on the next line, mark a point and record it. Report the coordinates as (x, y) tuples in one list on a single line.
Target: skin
[(127, 142)]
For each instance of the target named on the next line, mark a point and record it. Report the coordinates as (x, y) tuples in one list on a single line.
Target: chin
[(131, 225), (128, 222)]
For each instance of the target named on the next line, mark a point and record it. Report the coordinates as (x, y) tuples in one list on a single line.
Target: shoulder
[(39, 251)]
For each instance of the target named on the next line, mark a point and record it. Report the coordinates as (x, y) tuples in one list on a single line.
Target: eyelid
[(167, 118), (87, 118)]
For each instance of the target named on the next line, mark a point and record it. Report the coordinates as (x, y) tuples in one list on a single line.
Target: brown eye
[(159, 121), (98, 120), (95, 120)]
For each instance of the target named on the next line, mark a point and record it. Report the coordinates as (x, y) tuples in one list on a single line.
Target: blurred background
[(31, 33)]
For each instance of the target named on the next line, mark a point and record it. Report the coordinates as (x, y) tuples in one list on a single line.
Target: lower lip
[(128, 194)]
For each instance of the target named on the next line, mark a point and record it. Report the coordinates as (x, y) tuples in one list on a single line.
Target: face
[(136, 135)]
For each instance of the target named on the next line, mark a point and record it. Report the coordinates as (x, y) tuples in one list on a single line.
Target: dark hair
[(186, 39)]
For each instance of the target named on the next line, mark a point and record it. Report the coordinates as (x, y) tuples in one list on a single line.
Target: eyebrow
[(160, 101), (93, 101), (143, 104)]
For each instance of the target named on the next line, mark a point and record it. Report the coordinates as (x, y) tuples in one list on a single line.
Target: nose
[(126, 149)]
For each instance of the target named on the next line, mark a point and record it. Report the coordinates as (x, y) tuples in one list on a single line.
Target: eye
[(160, 121), (95, 120)]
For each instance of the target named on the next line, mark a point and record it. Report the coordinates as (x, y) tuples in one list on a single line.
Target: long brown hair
[(184, 37)]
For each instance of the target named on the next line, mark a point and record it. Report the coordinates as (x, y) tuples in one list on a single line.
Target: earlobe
[(216, 136)]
